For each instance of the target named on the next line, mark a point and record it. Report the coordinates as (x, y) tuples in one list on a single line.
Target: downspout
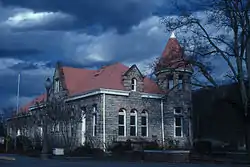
[(162, 123), (104, 120)]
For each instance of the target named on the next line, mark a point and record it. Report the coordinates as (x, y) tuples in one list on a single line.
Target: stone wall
[(134, 101)]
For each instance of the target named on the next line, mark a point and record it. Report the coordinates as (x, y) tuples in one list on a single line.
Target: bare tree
[(220, 32), (63, 120)]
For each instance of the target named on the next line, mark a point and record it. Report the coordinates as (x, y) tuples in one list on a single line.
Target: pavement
[(18, 160)]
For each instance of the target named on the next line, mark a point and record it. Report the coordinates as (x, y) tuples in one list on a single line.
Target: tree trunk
[(247, 128)]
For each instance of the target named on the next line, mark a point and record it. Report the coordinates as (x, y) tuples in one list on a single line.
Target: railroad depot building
[(123, 104)]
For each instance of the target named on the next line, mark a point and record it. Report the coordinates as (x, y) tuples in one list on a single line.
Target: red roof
[(109, 77), (39, 99), (78, 80), (173, 56)]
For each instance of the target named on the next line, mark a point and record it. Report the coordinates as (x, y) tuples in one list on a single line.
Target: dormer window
[(133, 84), (57, 86)]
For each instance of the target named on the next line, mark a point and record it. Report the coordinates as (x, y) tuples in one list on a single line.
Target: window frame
[(57, 86), (122, 112), (179, 126), (144, 113), (133, 113), (133, 84), (180, 83), (170, 86)]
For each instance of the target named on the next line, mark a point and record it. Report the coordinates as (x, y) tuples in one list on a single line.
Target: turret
[(172, 70), (173, 74)]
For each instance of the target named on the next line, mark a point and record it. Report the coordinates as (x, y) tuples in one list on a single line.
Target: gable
[(134, 72), (58, 82)]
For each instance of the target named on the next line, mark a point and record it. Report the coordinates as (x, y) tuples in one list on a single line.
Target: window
[(178, 126), (144, 123), (94, 119), (133, 84), (57, 86), (18, 132), (122, 123), (10, 131), (180, 83), (133, 123), (170, 84), (57, 127), (40, 131), (177, 110)]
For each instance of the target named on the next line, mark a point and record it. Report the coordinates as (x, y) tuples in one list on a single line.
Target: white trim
[(99, 91), (104, 120), (152, 96), (94, 124), (177, 70), (83, 127), (162, 122), (35, 106)]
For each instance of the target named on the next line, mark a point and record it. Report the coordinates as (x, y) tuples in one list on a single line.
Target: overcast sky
[(34, 34)]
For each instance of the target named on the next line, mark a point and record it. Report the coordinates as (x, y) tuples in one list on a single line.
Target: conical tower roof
[(172, 56)]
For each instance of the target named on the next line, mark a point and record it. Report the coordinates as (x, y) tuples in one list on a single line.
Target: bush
[(23, 143), (152, 146), (86, 150), (119, 147), (172, 143)]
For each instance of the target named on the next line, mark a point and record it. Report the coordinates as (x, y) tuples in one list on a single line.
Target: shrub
[(172, 143), (119, 147), (152, 146), (81, 151), (86, 150), (23, 143)]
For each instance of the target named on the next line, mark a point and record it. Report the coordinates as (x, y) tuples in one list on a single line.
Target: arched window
[(133, 123), (133, 84), (122, 122), (144, 123)]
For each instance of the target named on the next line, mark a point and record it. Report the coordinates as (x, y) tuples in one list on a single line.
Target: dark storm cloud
[(118, 14), (109, 13), (18, 52), (27, 66)]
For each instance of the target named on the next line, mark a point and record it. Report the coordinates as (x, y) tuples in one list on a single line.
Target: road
[(22, 161)]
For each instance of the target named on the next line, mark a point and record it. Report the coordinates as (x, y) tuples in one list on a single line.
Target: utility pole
[(17, 106)]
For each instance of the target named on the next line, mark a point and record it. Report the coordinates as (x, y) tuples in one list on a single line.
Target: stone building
[(122, 104)]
